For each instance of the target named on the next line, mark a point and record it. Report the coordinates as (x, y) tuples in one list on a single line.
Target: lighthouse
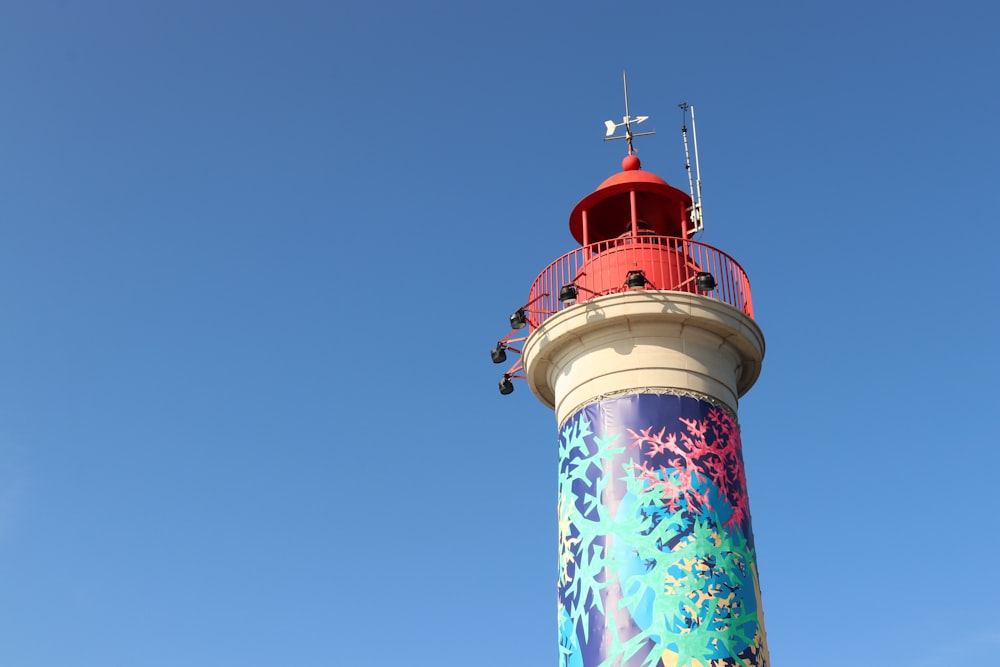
[(642, 340)]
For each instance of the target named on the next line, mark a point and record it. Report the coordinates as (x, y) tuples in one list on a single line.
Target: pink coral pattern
[(707, 450)]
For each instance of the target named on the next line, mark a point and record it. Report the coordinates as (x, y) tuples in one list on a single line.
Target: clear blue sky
[(254, 255)]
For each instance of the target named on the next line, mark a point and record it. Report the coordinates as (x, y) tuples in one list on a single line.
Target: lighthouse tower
[(642, 340)]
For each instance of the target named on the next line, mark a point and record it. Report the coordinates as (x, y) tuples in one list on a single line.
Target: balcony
[(663, 262)]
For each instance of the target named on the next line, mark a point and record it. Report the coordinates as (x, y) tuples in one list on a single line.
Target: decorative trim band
[(670, 391)]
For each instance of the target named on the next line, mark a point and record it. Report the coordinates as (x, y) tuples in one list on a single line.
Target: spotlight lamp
[(498, 354), (636, 280), (506, 386), (705, 281), (518, 319), (567, 294)]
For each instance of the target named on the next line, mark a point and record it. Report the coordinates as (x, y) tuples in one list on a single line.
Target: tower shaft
[(656, 555)]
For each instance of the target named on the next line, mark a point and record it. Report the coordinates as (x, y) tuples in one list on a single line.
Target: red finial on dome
[(631, 163)]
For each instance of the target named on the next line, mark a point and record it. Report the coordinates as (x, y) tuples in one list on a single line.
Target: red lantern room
[(632, 203), (635, 229)]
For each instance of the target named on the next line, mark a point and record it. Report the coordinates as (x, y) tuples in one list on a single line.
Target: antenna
[(697, 220), (627, 121)]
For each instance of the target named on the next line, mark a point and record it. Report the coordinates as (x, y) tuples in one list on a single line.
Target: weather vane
[(627, 122)]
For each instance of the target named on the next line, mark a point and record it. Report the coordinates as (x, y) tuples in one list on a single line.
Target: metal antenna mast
[(694, 185), (627, 121)]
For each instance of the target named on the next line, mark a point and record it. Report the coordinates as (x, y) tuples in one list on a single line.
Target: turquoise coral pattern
[(656, 558)]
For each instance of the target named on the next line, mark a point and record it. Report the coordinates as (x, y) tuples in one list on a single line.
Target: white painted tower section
[(643, 341)]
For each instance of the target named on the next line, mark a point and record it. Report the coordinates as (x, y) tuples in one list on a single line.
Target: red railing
[(664, 262)]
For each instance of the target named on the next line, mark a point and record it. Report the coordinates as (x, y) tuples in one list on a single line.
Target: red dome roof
[(637, 176)]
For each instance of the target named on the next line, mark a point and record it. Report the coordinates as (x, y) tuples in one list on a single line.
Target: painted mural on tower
[(656, 557)]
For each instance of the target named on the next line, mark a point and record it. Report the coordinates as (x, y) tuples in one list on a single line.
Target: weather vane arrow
[(611, 125)]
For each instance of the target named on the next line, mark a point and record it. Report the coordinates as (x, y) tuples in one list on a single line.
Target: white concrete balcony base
[(644, 339)]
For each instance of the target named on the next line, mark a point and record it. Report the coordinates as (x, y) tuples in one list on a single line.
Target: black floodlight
[(498, 354), (705, 281), (636, 280), (567, 294), (506, 386), (518, 319)]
